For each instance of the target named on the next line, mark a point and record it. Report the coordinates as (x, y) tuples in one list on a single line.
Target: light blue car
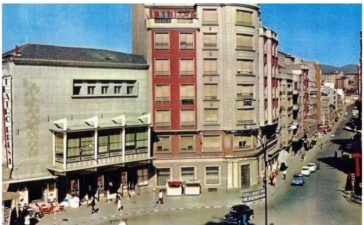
[(297, 180)]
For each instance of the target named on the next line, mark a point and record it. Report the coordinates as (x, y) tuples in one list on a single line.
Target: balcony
[(244, 73), (172, 23), (289, 92), (187, 101), (242, 96), (84, 160), (245, 122)]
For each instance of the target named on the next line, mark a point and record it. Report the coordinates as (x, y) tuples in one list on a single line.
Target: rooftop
[(74, 56)]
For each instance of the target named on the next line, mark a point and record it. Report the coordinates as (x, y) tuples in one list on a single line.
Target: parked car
[(305, 171), (235, 216), (297, 179), (312, 167)]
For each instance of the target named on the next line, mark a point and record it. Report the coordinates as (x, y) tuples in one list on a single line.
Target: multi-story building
[(328, 105), (74, 118), (269, 93), (352, 84), (341, 83), (329, 79), (211, 72), (298, 71)]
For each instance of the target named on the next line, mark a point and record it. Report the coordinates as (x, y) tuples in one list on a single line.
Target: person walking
[(284, 174), (93, 205), (119, 203), (160, 197)]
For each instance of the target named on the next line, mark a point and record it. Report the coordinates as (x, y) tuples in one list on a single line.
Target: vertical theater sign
[(7, 121)]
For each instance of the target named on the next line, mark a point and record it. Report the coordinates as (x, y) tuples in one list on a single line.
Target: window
[(103, 142), (77, 84), (242, 141), (210, 66), (244, 116), (104, 90), (210, 91), (211, 143), (186, 40), (130, 88), (163, 175), (161, 40), (87, 144), (73, 147), (117, 90), (130, 141), (115, 141), (209, 16), (91, 90), (163, 144), (162, 93), (210, 40), (211, 115), (244, 67), (186, 67), (243, 18), (245, 91), (59, 146), (162, 118), (142, 140), (244, 41), (187, 117), (143, 177), (187, 173), (187, 143), (80, 144), (161, 67), (187, 94), (212, 175)]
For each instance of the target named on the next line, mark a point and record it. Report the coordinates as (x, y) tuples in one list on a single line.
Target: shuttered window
[(244, 41), (186, 40), (161, 67), (187, 143), (244, 91), (186, 67), (187, 91), (244, 66), (163, 118), (162, 93), (163, 175), (209, 16), (211, 115), (210, 67), (210, 40), (187, 173), (211, 143), (161, 40), (212, 175), (243, 18), (210, 91), (245, 116), (163, 144), (242, 141), (187, 117)]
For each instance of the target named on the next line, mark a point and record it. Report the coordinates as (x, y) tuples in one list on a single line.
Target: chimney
[(17, 51)]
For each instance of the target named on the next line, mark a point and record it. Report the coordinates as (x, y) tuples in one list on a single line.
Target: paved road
[(321, 200)]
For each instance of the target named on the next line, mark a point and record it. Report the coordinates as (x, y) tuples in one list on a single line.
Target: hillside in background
[(349, 68)]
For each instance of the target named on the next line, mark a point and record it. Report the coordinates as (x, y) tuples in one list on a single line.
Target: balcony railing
[(172, 22), (244, 95)]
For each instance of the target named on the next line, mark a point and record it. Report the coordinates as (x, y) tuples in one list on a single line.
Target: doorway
[(245, 176)]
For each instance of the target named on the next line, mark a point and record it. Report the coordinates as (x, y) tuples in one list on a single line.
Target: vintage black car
[(237, 214)]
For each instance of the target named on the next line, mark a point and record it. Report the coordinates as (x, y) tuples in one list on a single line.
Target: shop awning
[(10, 196)]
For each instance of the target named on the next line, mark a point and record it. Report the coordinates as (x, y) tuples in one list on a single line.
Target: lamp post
[(265, 179)]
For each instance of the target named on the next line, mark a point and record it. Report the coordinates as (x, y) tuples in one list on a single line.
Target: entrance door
[(245, 176)]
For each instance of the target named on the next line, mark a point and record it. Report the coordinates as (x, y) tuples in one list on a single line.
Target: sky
[(328, 33)]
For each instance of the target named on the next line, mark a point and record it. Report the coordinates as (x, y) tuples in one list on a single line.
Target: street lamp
[(262, 142)]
